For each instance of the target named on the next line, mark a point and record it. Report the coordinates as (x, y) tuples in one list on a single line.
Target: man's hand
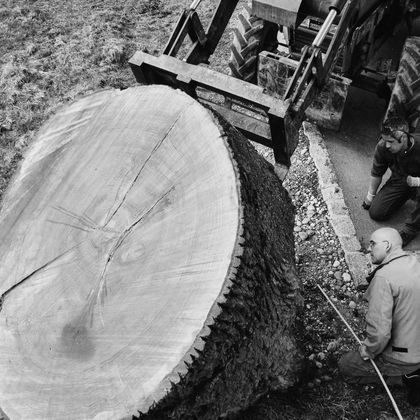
[(368, 201), (366, 205), (413, 181), (364, 354)]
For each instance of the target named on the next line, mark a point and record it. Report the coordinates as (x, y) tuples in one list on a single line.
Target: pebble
[(303, 236), (305, 221), (312, 356), (338, 275), (332, 345), (352, 304), (318, 365), (336, 263), (321, 356), (326, 378), (297, 229), (346, 277)]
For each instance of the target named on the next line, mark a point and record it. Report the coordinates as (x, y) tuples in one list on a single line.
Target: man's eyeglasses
[(373, 243), (386, 131)]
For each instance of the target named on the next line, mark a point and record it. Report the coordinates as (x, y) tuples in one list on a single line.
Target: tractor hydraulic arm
[(204, 43), (313, 69)]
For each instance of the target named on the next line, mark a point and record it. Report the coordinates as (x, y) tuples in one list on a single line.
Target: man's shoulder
[(381, 144), (416, 138), (381, 150), (405, 265)]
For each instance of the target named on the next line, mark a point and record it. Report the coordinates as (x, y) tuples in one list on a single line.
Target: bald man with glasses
[(399, 151), (392, 320)]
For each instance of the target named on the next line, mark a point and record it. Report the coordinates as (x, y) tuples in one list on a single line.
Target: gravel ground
[(322, 393)]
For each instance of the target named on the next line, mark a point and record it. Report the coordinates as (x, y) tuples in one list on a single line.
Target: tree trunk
[(147, 265)]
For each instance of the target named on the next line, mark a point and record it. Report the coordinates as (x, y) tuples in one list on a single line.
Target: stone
[(332, 345), (303, 236), (346, 277), (338, 275)]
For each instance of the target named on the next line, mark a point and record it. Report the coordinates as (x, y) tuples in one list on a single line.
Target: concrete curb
[(358, 263)]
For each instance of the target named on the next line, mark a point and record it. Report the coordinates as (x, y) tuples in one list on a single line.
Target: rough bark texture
[(405, 97), (144, 243), (251, 347)]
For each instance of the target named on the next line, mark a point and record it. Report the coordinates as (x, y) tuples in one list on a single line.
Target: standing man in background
[(399, 151)]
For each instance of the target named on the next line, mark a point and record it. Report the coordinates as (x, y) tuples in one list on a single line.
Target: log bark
[(147, 266)]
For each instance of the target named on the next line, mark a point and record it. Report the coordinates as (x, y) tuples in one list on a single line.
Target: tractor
[(293, 59)]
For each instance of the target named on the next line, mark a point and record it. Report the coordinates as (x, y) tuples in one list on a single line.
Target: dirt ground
[(52, 51)]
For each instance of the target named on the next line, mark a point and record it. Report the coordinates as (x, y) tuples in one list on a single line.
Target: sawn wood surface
[(117, 235)]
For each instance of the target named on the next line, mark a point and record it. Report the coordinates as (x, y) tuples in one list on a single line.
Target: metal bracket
[(259, 116)]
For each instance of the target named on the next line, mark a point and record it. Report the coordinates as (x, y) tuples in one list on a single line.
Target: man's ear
[(388, 246)]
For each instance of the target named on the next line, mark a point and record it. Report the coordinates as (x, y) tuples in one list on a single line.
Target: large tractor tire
[(405, 97), (250, 37)]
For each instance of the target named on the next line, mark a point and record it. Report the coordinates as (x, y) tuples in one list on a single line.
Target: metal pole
[(394, 404), (324, 28), (195, 4)]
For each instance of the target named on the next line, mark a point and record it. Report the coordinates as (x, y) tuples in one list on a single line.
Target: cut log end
[(143, 242)]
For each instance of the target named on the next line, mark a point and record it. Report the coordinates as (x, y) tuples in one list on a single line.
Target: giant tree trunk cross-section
[(122, 238)]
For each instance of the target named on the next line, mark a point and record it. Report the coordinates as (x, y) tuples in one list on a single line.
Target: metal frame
[(269, 131), (312, 72)]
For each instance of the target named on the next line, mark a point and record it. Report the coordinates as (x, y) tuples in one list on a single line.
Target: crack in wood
[(100, 291), (154, 150), (86, 224), (36, 271)]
